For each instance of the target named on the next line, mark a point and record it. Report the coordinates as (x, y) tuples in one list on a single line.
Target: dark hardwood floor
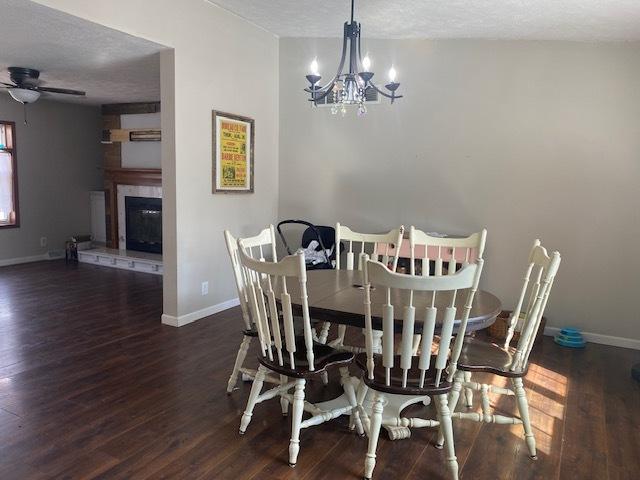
[(93, 386)]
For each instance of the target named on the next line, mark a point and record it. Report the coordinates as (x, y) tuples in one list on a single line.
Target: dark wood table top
[(335, 297)]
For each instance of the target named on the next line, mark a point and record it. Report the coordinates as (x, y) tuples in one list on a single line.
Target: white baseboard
[(198, 314), (16, 261), (601, 339)]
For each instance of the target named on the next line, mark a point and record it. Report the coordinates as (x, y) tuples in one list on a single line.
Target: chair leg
[(342, 332), (444, 417), (454, 395), (324, 332), (361, 393), (374, 434), (350, 392), (296, 420), (284, 403), (256, 388), (468, 392), (242, 353), (416, 344), (523, 409)]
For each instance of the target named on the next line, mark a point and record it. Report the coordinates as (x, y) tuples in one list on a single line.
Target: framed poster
[(233, 140)]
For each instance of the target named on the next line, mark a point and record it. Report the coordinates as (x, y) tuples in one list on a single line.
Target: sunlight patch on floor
[(547, 398), (544, 377), (546, 394)]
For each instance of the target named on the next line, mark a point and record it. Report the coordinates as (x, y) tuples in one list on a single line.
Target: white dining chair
[(383, 247), (261, 246), (419, 376), (444, 254), (294, 358), (505, 360)]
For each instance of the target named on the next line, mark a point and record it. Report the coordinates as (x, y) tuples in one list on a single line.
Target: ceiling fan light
[(24, 95)]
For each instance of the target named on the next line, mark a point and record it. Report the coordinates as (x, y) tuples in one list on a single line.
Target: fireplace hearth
[(143, 224)]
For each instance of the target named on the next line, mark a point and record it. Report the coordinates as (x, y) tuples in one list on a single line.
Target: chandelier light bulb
[(366, 63), (392, 74), (313, 68)]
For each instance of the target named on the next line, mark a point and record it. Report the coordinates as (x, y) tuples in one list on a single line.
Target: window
[(8, 176)]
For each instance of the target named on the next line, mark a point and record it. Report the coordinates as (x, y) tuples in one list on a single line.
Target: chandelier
[(349, 88)]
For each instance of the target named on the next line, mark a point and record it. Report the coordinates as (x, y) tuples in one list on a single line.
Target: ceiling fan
[(26, 89)]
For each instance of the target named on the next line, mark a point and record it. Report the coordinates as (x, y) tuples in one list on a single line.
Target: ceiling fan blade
[(8, 85), (60, 90)]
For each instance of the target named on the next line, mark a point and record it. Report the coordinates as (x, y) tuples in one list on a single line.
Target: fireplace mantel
[(123, 176)]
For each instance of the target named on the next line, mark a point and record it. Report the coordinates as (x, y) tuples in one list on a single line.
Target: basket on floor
[(498, 330)]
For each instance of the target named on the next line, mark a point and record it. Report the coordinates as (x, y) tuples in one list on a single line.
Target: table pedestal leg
[(393, 407)]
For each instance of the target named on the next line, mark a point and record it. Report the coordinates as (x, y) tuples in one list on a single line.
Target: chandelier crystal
[(349, 88)]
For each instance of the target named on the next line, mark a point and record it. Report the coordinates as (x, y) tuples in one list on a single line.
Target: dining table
[(337, 296)]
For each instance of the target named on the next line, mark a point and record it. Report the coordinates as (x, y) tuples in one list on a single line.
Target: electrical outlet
[(205, 288), (43, 241)]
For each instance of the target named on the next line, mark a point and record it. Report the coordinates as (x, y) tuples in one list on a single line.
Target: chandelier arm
[(354, 31), (360, 51), (332, 82), (324, 91), (322, 95), (327, 87), (317, 90), (381, 92), (342, 58)]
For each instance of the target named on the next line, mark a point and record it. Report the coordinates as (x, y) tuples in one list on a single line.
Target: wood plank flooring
[(93, 386)]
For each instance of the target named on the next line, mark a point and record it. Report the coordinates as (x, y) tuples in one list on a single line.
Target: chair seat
[(378, 382), (324, 356), (481, 356)]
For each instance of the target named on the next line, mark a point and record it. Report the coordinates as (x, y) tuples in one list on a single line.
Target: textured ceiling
[(112, 67), (582, 20)]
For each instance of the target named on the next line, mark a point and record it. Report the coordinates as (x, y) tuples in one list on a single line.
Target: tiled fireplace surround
[(131, 191)]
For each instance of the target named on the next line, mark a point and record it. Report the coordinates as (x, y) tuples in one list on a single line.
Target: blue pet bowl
[(570, 337)]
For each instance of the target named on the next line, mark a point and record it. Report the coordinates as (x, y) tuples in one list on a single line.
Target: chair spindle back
[(439, 295), (538, 280), (261, 246), (266, 283), (427, 248), (384, 247)]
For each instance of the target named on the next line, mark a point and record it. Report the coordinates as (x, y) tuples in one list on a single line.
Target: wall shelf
[(122, 135)]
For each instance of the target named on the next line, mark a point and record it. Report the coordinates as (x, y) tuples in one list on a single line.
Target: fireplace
[(143, 224)]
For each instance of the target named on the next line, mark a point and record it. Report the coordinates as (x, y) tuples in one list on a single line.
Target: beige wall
[(59, 156), (219, 62), (525, 138)]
